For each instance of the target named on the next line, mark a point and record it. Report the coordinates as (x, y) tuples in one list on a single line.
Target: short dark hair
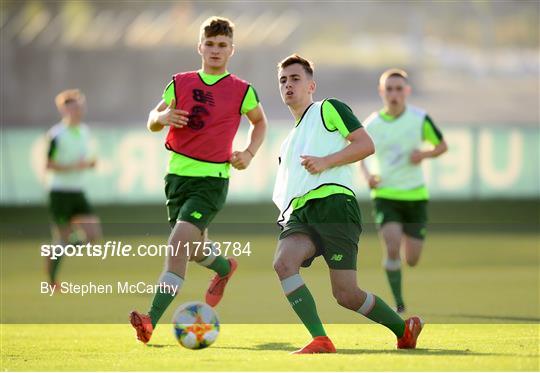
[(390, 73), (295, 58), (215, 26)]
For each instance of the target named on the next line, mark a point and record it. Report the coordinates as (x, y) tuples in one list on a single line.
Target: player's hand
[(173, 117), (416, 156), (84, 164), (240, 160), (79, 166), (314, 165), (373, 181)]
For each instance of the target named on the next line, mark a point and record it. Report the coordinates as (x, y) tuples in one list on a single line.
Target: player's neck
[(71, 122), (299, 110), (394, 111), (214, 70)]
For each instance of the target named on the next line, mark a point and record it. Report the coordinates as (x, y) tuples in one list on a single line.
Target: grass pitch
[(454, 347), (478, 294)]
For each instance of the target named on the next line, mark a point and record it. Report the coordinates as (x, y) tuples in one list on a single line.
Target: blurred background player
[(396, 178), (68, 159), (318, 210), (203, 110)]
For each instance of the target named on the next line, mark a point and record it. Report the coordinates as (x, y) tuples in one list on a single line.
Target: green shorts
[(334, 225), (411, 214), (194, 199), (65, 205)]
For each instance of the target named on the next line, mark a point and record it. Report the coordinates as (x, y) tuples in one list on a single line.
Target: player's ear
[(312, 86), (408, 90), (232, 50), (199, 48), (380, 88)]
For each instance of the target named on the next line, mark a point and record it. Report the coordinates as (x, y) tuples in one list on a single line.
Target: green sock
[(221, 266), (218, 264), (374, 308), (394, 279), (164, 296), (303, 304), (53, 267)]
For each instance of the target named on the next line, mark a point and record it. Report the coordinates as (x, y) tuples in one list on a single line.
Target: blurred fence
[(483, 162), (468, 61)]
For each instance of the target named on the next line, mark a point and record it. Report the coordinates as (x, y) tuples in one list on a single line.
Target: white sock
[(392, 264), (210, 258), (368, 304), (291, 283), (170, 283)]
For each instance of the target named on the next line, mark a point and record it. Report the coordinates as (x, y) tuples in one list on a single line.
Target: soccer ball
[(196, 325)]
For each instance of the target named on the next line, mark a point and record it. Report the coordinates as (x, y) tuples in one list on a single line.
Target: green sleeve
[(169, 93), (250, 102), (338, 116), (52, 149), (430, 132)]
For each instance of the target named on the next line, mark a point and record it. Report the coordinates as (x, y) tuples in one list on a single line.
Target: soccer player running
[(318, 210), (68, 159), (203, 110), (395, 176)]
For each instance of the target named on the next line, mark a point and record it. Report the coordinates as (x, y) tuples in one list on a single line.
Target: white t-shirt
[(68, 145)]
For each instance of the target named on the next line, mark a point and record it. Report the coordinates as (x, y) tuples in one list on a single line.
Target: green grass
[(478, 293), (461, 278), (266, 348)]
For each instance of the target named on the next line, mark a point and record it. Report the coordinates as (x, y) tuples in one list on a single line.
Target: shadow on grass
[(264, 347), (156, 345), (359, 351), (418, 351), (490, 317)]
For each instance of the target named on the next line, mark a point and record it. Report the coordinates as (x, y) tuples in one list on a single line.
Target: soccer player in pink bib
[(202, 110)]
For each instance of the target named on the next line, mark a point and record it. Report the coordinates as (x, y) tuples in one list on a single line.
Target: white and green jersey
[(67, 146), (395, 138), (322, 130)]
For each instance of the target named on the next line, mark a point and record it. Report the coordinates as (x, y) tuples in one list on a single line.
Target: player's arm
[(166, 115), (165, 112), (254, 111), (338, 116), (53, 165), (433, 135), (372, 180), (439, 149), (81, 165)]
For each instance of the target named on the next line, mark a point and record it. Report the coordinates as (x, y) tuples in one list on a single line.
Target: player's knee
[(280, 266), (412, 260), (94, 234), (284, 267)]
